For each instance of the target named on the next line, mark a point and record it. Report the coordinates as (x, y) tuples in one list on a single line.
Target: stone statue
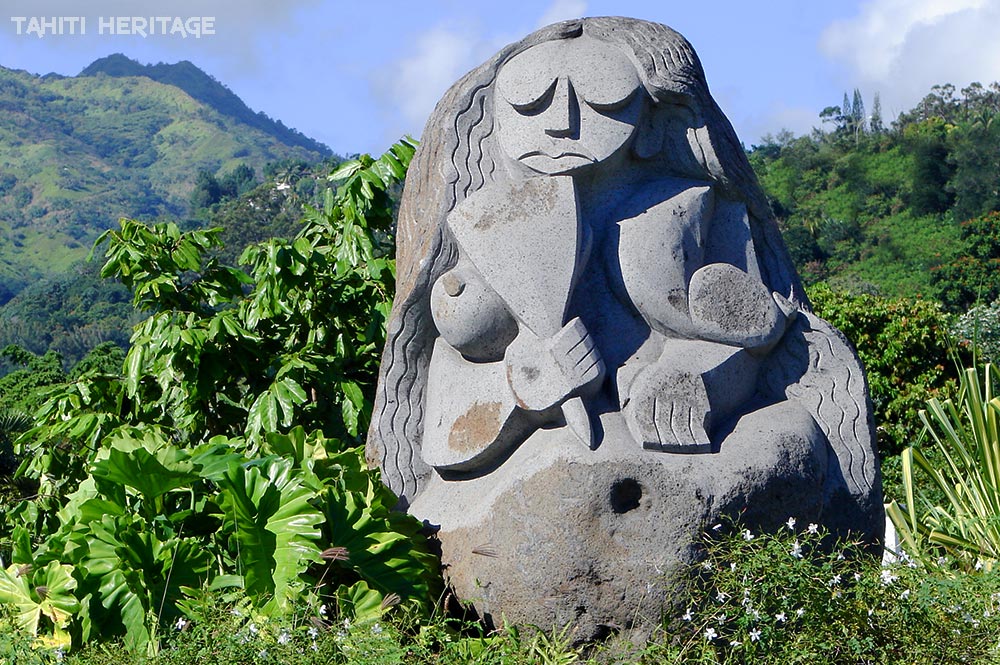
[(599, 344)]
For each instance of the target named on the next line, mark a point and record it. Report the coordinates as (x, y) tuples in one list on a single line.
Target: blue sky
[(357, 75)]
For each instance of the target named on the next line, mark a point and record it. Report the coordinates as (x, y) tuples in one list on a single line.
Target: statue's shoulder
[(669, 196)]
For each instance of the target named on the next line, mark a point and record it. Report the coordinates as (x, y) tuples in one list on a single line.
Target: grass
[(796, 596)]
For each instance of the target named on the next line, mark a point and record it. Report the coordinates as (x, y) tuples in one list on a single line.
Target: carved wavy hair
[(459, 155)]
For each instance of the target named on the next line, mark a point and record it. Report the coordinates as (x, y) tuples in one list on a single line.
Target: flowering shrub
[(979, 328), (800, 597)]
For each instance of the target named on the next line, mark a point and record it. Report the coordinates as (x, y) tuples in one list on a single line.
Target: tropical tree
[(227, 454)]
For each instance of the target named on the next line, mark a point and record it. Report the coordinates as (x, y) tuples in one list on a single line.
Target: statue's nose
[(562, 115)]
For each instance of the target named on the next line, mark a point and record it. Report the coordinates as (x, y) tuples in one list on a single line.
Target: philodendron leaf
[(360, 602), (138, 576), (276, 526), (383, 546), (152, 475), (47, 592)]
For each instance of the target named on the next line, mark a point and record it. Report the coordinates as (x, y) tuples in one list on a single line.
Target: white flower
[(799, 612), (979, 564), (710, 634), (791, 522), (754, 635), (857, 577), (60, 653), (813, 528), (780, 617), (688, 616), (707, 565), (721, 597), (721, 619), (262, 654), (905, 594), (732, 566), (835, 580), (887, 577), (376, 629), (313, 632), (181, 624), (252, 628), (284, 637), (796, 550), (840, 556), (747, 535), (734, 643)]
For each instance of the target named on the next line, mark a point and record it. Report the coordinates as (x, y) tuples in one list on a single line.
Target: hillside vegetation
[(901, 210), (78, 153)]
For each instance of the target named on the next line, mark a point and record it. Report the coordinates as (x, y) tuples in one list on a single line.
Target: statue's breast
[(655, 253)]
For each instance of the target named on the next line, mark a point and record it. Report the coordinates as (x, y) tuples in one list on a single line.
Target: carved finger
[(582, 347), (570, 336)]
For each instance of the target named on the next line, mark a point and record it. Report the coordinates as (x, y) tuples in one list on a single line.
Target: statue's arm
[(477, 412)]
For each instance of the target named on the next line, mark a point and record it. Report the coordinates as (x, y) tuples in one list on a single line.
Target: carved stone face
[(566, 105)]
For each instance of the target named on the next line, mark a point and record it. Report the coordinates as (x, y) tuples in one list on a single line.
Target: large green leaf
[(360, 602), (383, 546), (276, 527), (138, 576), (151, 474), (47, 592)]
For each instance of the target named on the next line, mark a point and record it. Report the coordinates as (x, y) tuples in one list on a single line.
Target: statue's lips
[(562, 160)]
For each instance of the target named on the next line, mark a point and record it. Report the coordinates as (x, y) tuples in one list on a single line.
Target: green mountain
[(203, 88), (77, 153)]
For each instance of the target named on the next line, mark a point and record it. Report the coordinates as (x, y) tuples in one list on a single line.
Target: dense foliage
[(796, 597), (951, 501), (80, 152), (227, 454), (789, 597), (877, 209)]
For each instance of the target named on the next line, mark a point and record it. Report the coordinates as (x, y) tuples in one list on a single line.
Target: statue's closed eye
[(608, 88), (530, 96), (610, 106)]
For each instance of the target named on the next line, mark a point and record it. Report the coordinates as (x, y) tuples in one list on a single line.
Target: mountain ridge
[(205, 88), (77, 153)]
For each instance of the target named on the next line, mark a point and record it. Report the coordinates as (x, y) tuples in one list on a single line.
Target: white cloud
[(562, 10), (440, 57), (901, 48)]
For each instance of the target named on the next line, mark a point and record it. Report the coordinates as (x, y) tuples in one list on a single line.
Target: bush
[(227, 454), (798, 597), (951, 496)]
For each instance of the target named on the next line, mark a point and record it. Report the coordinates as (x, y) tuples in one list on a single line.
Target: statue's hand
[(545, 372)]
